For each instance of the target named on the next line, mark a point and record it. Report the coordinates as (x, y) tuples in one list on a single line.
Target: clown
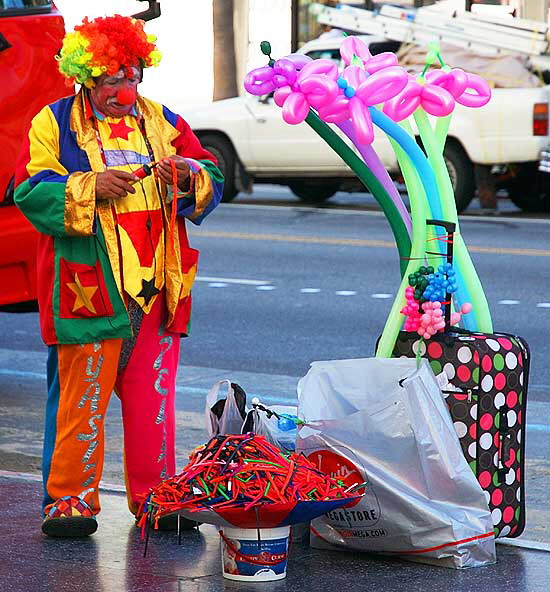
[(108, 177)]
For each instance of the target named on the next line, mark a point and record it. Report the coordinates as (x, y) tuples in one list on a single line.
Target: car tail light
[(540, 119)]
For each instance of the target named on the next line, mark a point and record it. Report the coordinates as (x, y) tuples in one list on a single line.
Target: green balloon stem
[(419, 208), (370, 181), (441, 131), (448, 205)]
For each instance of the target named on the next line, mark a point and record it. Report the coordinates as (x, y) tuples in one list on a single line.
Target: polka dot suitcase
[(486, 395)]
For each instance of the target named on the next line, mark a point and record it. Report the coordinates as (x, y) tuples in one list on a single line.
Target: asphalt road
[(280, 286)]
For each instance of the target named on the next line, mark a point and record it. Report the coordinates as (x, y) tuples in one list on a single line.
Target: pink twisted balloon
[(361, 92), (467, 89)]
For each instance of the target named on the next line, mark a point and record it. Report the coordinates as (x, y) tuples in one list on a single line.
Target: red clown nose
[(126, 96)]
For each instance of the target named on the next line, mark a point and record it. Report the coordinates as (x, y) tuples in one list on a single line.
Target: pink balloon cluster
[(300, 83), (456, 316), (431, 320), (411, 310)]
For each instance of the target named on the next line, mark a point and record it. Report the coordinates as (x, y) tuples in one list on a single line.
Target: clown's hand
[(114, 184), (182, 168)]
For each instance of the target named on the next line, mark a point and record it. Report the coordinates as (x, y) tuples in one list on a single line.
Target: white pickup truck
[(253, 143)]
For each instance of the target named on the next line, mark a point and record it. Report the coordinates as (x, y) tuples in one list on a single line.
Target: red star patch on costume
[(120, 130)]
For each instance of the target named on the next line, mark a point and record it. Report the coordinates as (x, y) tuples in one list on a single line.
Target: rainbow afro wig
[(104, 45)]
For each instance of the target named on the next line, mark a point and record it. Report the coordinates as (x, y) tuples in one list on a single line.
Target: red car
[(31, 33)]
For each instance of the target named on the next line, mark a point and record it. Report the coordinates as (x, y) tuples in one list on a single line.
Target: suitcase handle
[(450, 228)]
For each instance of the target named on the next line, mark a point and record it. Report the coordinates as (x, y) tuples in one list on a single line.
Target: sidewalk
[(112, 559)]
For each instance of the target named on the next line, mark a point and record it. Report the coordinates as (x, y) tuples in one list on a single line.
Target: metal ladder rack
[(488, 36)]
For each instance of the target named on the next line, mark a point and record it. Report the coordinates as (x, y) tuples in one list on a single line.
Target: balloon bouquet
[(375, 91)]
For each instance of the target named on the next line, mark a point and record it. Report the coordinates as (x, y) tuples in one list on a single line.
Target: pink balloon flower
[(315, 86), (353, 47), (467, 89), (262, 81), (434, 99), (360, 92)]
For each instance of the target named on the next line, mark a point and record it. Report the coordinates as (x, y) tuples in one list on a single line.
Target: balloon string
[(444, 238), (174, 205), (437, 256)]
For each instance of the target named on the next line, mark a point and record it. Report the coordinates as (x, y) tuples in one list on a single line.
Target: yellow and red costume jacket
[(92, 254)]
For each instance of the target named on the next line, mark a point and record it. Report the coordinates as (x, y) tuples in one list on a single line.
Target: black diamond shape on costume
[(148, 290)]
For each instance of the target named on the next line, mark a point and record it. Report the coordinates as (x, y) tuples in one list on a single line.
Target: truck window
[(377, 47), (21, 7), (326, 54)]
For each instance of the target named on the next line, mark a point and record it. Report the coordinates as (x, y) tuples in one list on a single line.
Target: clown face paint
[(116, 95)]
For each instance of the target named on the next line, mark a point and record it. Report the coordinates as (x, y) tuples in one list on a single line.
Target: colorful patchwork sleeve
[(56, 202), (207, 179)]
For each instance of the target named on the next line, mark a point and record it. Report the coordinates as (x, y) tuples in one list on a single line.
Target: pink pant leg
[(146, 388)]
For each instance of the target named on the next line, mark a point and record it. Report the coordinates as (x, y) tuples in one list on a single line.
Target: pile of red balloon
[(244, 481)]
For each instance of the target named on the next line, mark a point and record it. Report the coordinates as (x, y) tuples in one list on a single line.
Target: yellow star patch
[(84, 295)]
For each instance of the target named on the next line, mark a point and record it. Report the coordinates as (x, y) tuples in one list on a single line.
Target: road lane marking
[(357, 242), (355, 210), (244, 281), (23, 374), (265, 285)]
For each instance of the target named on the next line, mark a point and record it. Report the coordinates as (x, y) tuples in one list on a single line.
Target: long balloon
[(419, 205), (428, 178), (480, 319), (372, 160), (416, 155), (402, 135), (370, 181)]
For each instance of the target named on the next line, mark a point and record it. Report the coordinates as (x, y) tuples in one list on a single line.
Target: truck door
[(31, 32), (278, 146)]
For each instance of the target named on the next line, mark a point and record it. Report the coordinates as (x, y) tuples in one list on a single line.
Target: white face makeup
[(115, 95)]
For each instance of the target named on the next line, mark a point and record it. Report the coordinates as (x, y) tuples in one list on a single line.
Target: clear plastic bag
[(225, 408), (384, 422)]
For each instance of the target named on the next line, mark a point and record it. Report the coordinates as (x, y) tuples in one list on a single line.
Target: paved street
[(280, 286)]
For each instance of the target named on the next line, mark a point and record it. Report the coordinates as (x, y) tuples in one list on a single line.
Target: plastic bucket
[(246, 558)]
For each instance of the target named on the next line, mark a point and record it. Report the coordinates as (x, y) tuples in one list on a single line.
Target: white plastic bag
[(225, 408), (265, 422), (384, 422)]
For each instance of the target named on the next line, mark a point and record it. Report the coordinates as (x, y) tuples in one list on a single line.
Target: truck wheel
[(461, 173), (314, 191), (225, 155), (529, 189)]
